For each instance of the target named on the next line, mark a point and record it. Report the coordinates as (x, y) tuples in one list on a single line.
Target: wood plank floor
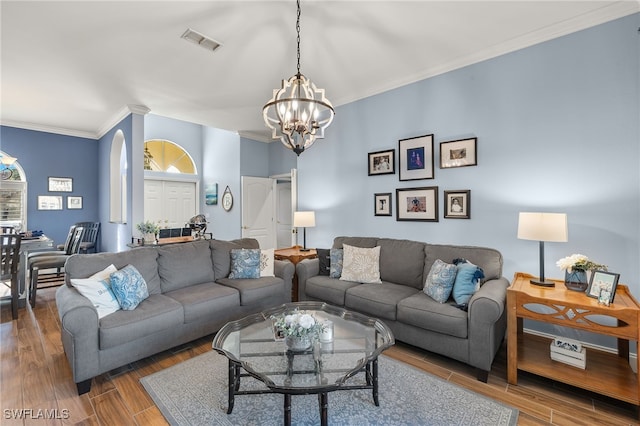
[(35, 376)]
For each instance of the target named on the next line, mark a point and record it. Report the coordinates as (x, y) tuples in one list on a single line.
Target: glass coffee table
[(251, 344)]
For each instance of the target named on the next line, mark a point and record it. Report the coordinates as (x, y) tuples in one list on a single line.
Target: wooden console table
[(606, 373), (295, 255)]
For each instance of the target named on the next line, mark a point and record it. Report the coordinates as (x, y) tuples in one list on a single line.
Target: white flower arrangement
[(148, 227), (297, 324), (578, 262)]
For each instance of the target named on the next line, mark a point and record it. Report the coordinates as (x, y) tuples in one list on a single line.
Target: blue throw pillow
[(129, 287), (245, 263), (440, 281), (467, 282), (335, 269)]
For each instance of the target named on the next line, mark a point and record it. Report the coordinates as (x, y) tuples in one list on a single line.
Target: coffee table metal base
[(235, 373)]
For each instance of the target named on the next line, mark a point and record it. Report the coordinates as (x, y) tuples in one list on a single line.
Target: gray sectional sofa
[(190, 296), (472, 336)]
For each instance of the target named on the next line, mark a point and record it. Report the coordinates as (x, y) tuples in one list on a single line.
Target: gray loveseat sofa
[(471, 336), (190, 296)]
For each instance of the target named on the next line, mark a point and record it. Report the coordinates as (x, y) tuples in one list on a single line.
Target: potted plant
[(575, 269), (298, 328), (148, 230)]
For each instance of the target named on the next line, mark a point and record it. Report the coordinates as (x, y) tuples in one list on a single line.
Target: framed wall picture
[(602, 286), (457, 204), (458, 153), (49, 202), (60, 184), (382, 162), (420, 204), (382, 204), (74, 203), (211, 194), (416, 158)]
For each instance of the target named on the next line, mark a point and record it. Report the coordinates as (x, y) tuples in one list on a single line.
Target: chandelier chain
[(298, 31)]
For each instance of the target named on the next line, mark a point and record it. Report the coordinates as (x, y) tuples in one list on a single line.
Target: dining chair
[(10, 253), (52, 262)]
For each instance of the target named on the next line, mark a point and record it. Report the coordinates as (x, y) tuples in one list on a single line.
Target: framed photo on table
[(382, 162), (457, 204), (416, 158), (602, 286), (382, 204), (417, 204), (458, 153)]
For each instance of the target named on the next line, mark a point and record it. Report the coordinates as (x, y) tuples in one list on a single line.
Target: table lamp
[(304, 220), (551, 227)]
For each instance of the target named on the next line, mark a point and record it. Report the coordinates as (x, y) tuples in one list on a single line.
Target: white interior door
[(172, 203), (284, 214), (259, 210)]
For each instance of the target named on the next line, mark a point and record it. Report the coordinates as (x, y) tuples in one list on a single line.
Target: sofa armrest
[(306, 269), (487, 322), (285, 270), (80, 334)]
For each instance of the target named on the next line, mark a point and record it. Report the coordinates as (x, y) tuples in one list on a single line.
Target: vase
[(149, 238), (576, 280), (295, 343)]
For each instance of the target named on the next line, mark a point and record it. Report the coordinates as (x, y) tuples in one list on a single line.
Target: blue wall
[(558, 131), (42, 155)]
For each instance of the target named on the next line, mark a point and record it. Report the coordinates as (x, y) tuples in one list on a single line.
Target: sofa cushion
[(328, 289), (267, 263), (366, 242), (254, 291), (97, 288), (185, 264), (155, 314), (221, 253), (129, 287), (324, 261), (201, 301), (361, 264), (402, 262), (143, 258), (245, 263), (467, 282), (439, 282), (335, 267), (422, 311), (488, 259), (378, 300)]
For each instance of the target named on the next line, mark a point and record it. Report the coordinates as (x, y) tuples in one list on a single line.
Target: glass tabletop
[(253, 343)]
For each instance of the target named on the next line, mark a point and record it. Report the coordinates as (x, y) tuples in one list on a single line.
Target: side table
[(606, 373), (294, 255)]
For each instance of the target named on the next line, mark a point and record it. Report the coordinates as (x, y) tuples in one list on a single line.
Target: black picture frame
[(382, 162), (382, 204), (457, 204), (417, 204), (602, 286), (415, 158), (60, 184), (459, 153), (74, 203)]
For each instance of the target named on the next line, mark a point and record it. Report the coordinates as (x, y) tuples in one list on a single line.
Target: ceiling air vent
[(201, 40)]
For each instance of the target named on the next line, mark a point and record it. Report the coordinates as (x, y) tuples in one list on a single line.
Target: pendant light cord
[(298, 31)]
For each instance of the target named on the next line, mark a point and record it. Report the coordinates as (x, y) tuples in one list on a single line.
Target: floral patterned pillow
[(335, 265), (245, 263), (440, 281), (267, 264), (129, 287), (361, 264)]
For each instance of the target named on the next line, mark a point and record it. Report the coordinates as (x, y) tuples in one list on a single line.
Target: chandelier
[(298, 112)]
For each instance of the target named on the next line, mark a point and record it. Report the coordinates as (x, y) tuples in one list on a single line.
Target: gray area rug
[(194, 392)]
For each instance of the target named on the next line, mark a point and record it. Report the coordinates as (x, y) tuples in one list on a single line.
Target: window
[(13, 195), (166, 156)]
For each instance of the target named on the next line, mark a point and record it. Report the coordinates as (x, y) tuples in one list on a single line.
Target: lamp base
[(543, 283)]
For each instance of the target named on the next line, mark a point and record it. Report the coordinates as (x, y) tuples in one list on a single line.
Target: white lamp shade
[(304, 219), (550, 227)]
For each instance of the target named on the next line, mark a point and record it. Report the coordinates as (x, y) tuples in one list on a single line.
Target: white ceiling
[(74, 67)]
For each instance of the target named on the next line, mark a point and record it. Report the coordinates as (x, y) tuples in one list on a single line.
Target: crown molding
[(256, 136), (121, 115), (49, 129)]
